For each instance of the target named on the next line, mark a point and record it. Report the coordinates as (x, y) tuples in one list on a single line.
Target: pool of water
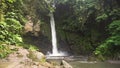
[(80, 64)]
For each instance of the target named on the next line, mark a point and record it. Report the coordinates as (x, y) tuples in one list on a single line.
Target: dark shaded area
[(44, 44), (40, 41)]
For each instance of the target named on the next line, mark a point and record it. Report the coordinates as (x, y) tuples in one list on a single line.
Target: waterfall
[(53, 31), (55, 51)]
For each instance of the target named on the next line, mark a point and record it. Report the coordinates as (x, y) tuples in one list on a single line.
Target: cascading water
[(55, 51), (53, 31)]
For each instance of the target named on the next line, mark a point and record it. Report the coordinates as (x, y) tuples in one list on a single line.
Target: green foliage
[(29, 46), (88, 19), (33, 48), (102, 17), (11, 1), (10, 31), (110, 48), (4, 50), (10, 25), (78, 17), (16, 16), (115, 13), (14, 25), (114, 27)]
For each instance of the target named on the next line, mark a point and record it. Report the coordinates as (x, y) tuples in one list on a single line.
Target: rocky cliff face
[(40, 35)]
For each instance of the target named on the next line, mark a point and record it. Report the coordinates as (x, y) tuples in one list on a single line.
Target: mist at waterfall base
[(55, 51)]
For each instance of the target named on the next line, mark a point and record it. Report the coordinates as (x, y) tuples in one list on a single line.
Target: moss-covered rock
[(37, 56)]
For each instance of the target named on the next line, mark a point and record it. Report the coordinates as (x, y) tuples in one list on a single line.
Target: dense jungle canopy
[(88, 27)]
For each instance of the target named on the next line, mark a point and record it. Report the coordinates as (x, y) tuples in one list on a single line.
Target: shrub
[(10, 31), (4, 50), (111, 46)]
